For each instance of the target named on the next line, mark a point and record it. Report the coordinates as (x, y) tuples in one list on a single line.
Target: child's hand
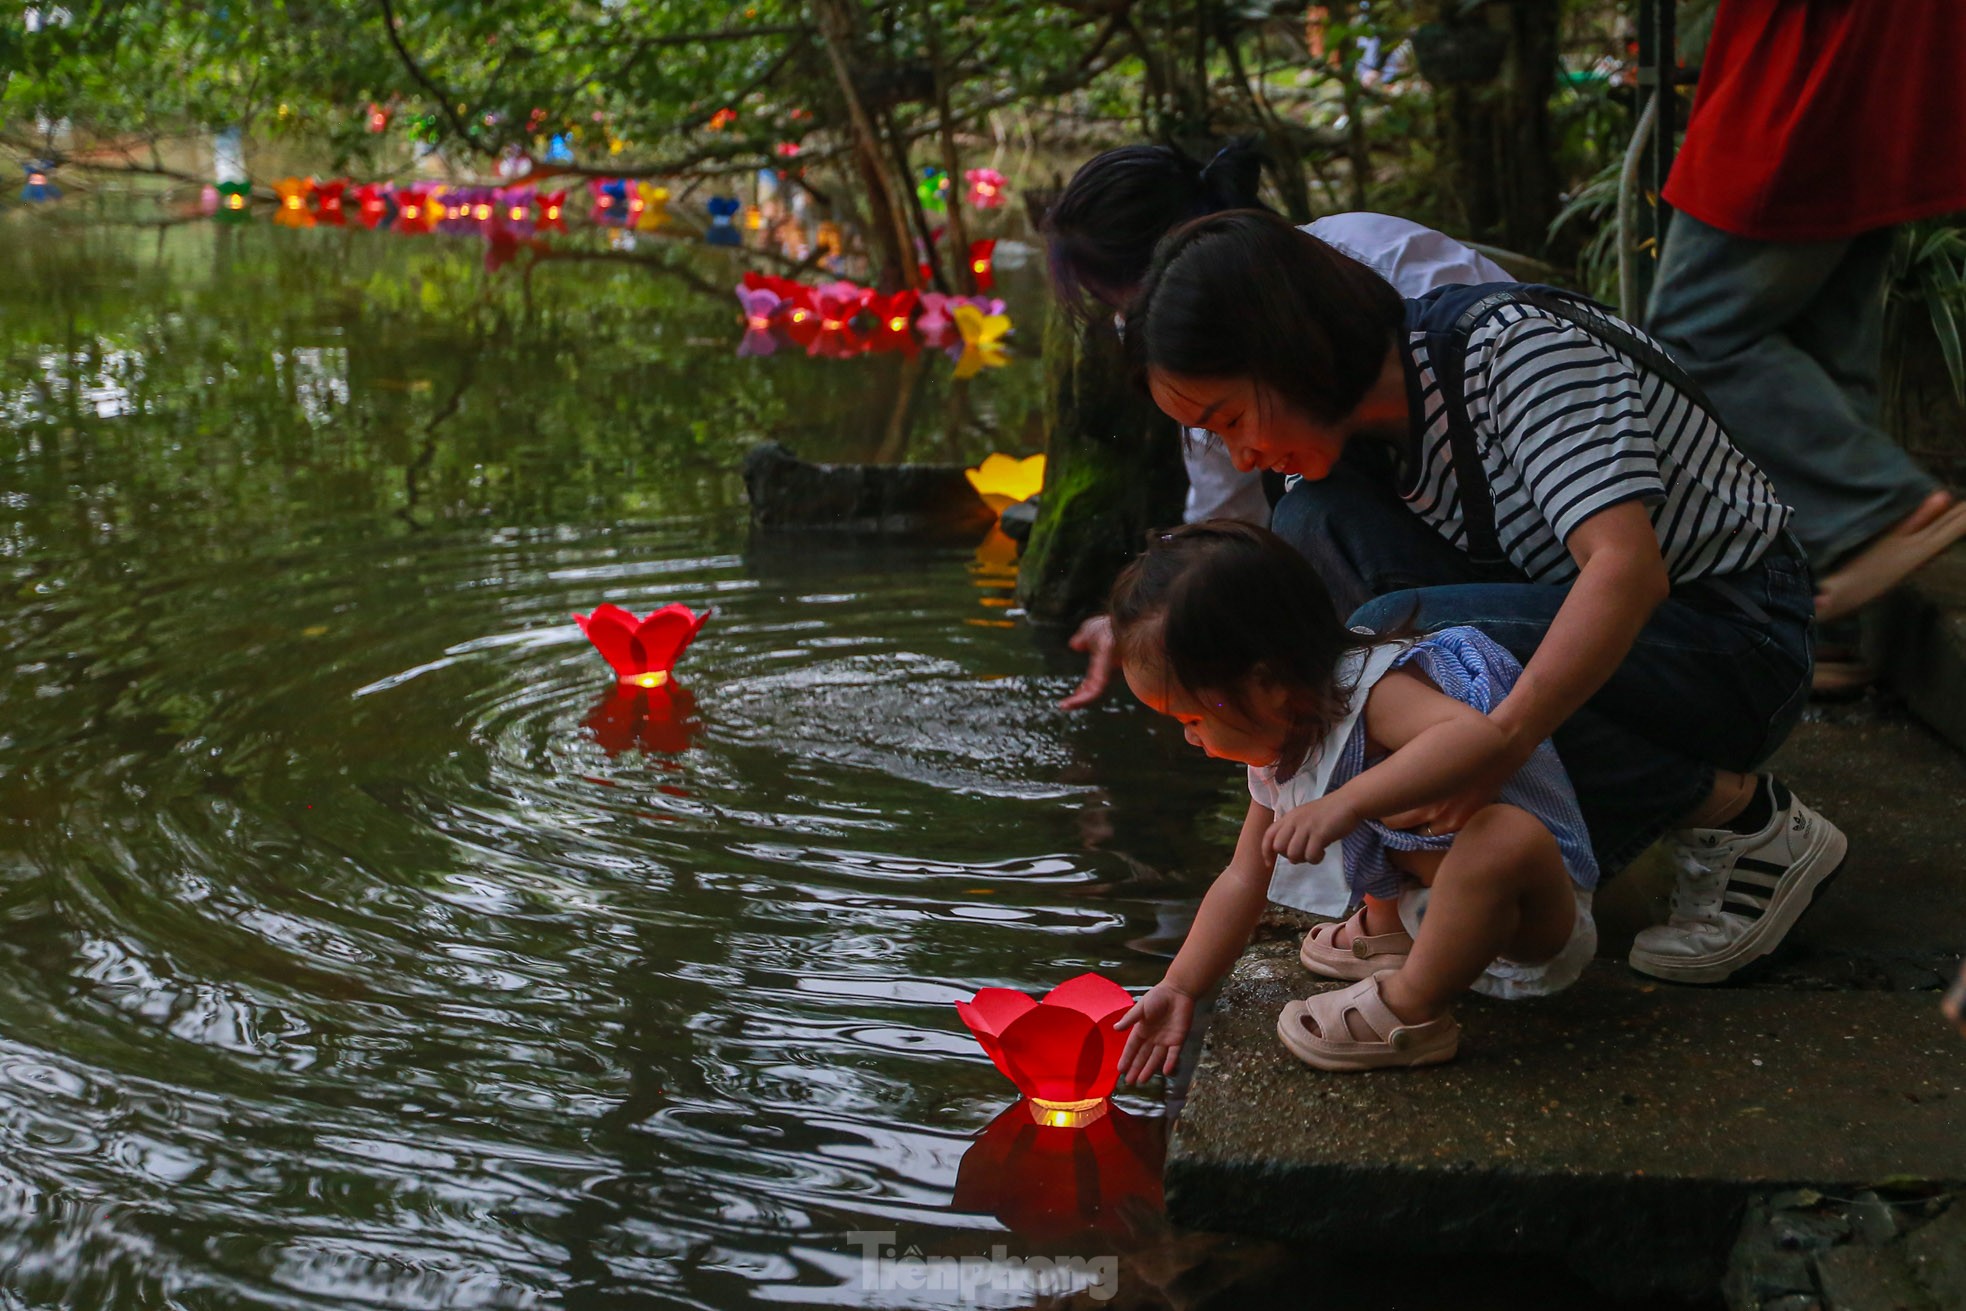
[(1159, 1022), (1303, 834)]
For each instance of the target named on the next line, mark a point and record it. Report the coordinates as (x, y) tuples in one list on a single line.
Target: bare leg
[(1937, 523), (1500, 890)]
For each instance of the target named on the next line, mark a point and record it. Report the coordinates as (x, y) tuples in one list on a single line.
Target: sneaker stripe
[(1754, 880), (1775, 867), (1739, 903)]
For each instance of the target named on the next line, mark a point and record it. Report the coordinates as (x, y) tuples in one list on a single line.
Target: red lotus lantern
[(894, 321), (1062, 1052), (642, 651), (371, 203), (661, 719), (1059, 1187), (328, 202), (552, 211), (982, 263), (416, 209)]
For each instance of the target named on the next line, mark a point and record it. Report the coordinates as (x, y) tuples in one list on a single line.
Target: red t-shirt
[(1820, 119)]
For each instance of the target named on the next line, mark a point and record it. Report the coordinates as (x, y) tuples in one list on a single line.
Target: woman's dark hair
[(1101, 231), (1245, 295), (1217, 602)]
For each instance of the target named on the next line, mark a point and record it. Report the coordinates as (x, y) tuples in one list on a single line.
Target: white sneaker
[(1739, 893)]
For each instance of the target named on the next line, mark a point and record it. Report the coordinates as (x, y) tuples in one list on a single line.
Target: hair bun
[(1233, 177)]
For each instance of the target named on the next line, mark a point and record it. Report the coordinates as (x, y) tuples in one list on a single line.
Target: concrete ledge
[(1622, 1126), (1917, 638)]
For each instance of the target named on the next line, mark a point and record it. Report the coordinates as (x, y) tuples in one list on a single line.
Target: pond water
[(358, 945)]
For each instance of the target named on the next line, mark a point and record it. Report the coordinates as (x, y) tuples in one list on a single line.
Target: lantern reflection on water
[(1056, 1185), (661, 719)]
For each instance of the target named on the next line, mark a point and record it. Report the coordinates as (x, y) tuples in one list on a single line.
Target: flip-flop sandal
[(1361, 958), (1841, 678), (1397, 1044)]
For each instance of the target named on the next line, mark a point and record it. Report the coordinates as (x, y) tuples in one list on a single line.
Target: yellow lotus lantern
[(982, 337), (1005, 480)]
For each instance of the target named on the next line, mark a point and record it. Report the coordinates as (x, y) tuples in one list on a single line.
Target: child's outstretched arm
[(1159, 1021), (1435, 743)]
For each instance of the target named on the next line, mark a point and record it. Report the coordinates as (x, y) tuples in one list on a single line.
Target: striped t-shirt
[(1568, 426)]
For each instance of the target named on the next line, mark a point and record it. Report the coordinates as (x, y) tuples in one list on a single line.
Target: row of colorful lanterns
[(840, 320), (428, 207)]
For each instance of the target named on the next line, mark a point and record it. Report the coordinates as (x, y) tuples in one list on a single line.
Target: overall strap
[(1448, 352), (1448, 348)]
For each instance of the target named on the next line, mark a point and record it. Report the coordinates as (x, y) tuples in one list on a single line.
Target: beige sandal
[(1398, 1043), (1361, 958)]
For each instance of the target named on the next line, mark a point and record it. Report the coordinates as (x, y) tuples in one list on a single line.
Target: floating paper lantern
[(722, 119), (1062, 1052), (894, 322), (553, 211), (233, 199), (415, 211), (982, 261), (208, 199), (829, 241), (985, 188), (660, 719), (513, 208), (982, 336), (378, 118), (328, 202), (723, 232), (372, 204), (649, 206), (933, 191), (754, 218), (839, 304), (610, 196), (1058, 1187), (38, 188), (501, 246), (642, 651), (559, 150), (937, 328), (293, 211), (759, 305), (798, 318), (1004, 479)]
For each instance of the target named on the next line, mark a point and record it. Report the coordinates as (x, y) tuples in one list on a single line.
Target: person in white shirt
[(1100, 237)]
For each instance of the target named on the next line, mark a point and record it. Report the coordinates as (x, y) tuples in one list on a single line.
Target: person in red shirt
[(1819, 125)]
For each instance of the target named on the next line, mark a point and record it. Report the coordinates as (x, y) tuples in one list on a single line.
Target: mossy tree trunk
[(1112, 472)]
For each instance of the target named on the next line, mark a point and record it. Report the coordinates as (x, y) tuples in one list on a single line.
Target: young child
[(1225, 628)]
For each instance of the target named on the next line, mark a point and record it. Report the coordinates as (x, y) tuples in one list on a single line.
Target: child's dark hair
[(1245, 295), (1101, 232), (1218, 602)]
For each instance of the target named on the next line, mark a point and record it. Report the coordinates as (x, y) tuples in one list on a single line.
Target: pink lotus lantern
[(838, 303), (759, 304), (938, 330), (641, 651), (1063, 1052), (985, 188)]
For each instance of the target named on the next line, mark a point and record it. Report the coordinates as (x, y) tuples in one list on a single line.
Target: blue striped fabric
[(1466, 664)]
